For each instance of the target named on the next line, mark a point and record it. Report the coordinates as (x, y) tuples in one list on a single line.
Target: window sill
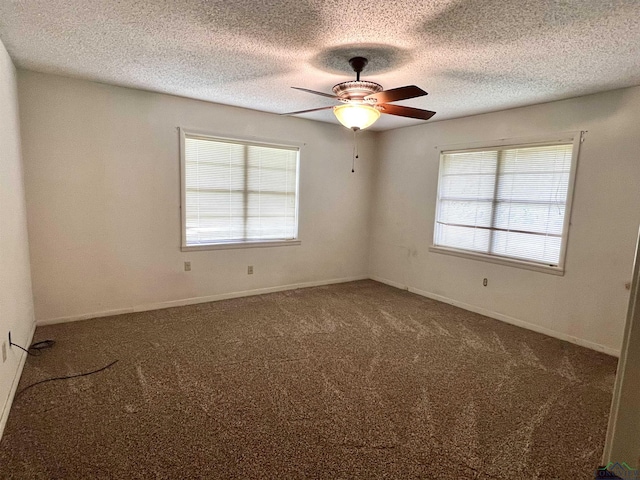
[(510, 262), (228, 246)]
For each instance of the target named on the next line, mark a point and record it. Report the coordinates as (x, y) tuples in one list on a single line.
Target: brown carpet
[(357, 380)]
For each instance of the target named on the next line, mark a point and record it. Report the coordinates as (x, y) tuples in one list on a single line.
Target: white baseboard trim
[(391, 283), (14, 384), (196, 300), (84, 316), (504, 318)]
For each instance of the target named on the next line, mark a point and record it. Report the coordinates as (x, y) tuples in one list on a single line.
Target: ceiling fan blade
[(400, 93), (406, 111), (315, 93), (307, 111)]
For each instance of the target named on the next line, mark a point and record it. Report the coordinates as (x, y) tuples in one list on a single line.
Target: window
[(237, 193), (510, 202)]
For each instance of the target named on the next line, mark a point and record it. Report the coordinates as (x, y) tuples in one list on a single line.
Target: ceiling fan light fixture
[(356, 116)]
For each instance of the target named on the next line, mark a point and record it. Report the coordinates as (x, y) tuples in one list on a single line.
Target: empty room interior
[(418, 262)]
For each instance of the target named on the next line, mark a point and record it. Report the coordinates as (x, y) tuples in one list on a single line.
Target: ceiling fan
[(364, 101)]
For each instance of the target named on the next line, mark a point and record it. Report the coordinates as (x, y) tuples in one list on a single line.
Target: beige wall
[(16, 306), (103, 197), (586, 305)]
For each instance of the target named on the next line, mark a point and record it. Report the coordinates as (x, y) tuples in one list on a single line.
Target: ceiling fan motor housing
[(356, 90)]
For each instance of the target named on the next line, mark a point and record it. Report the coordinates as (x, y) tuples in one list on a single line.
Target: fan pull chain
[(355, 150)]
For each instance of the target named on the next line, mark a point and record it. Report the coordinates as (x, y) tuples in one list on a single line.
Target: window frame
[(261, 142), (575, 138)]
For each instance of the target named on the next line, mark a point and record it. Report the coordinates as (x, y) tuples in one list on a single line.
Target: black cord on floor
[(21, 348), (65, 377), (36, 348)]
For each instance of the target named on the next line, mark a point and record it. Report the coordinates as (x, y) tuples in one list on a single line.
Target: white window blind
[(238, 192), (509, 201)]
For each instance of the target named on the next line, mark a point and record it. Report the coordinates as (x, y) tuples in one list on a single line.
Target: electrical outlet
[(485, 282), (4, 352), (187, 266), (250, 270)]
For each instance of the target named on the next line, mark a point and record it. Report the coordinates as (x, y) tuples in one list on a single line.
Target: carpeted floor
[(358, 380)]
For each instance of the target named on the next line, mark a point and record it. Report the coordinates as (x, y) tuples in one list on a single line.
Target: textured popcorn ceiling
[(472, 56)]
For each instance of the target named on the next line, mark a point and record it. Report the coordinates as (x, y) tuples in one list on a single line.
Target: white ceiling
[(472, 56)]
